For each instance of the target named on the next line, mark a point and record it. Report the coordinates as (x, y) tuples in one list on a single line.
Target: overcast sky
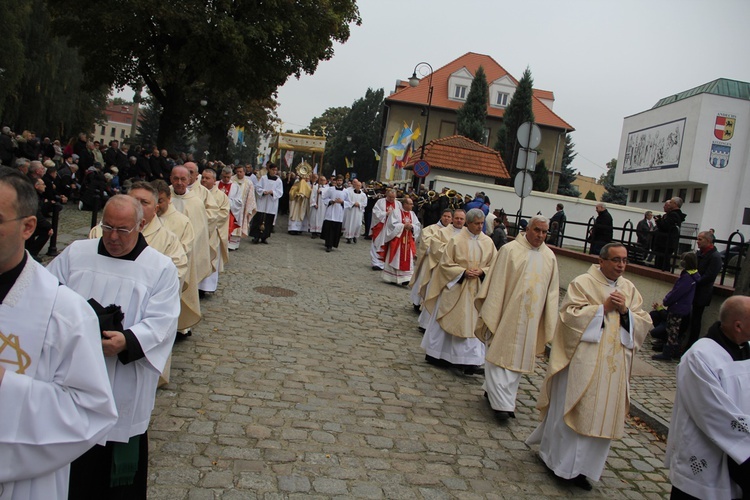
[(603, 59)]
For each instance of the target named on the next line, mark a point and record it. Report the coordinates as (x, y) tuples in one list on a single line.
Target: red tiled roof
[(471, 61), (461, 154), (118, 113)]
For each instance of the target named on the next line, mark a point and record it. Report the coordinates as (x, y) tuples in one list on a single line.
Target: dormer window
[(502, 99), (460, 92)]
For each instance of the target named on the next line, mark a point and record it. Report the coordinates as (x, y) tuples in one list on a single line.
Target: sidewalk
[(306, 380)]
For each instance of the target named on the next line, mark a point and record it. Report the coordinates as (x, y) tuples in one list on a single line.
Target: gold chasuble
[(299, 200), (456, 314), (220, 236), (190, 308), (518, 305), (596, 398), (433, 253), (422, 246)]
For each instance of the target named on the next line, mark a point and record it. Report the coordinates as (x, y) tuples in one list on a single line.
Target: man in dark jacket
[(644, 230), (601, 233), (556, 226), (667, 233), (709, 267)]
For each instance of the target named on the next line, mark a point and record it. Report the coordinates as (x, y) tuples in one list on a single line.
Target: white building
[(695, 145)]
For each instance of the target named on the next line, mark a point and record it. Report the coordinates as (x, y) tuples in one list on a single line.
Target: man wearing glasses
[(121, 269), (55, 400), (584, 398)]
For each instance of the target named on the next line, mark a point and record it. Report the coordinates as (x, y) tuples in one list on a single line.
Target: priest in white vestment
[(708, 449), (449, 338), (179, 224), (422, 269), (434, 253), (584, 398), (268, 191), (400, 248), (121, 269), (517, 307), (55, 397), (336, 200), (299, 206), (219, 236), (317, 209), (353, 215), (189, 204), (209, 205), (248, 206), (380, 212)]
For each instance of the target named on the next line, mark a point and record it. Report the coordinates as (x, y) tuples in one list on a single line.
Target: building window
[(502, 99), (486, 136), (644, 196), (122, 134), (112, 132), (655, 197), (683, 194), (634, 196), (667, 194), (697, 192), (104, 130), (460, 92)]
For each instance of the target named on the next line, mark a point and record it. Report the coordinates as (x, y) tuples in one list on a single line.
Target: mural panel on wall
[(654, 148)]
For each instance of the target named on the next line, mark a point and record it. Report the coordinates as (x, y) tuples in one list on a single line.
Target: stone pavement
[(306, 380)]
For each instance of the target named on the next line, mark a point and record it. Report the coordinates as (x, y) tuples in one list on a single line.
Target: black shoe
[(328, 249), (348, 241), (376, 268), (255, 241), (422, 330), (417, 308), (440, 363), (502, 416), (201, 294), (582, 482), (264, 242), (368, 237), (473, 370), (354, 240)]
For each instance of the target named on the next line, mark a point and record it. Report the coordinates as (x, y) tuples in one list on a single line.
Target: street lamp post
[(413, 82)]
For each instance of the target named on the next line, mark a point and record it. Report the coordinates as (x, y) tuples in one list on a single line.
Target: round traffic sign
[(523, 184), (526, 140), (421, 168)]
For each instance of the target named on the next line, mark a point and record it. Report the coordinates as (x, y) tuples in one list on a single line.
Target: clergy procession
[(77, 406)]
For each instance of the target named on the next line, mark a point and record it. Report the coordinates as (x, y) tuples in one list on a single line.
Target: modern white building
[(695, 145)]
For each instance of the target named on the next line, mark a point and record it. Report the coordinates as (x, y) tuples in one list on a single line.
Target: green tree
[(119, 101), (590, 195), (541, 177), (329, 122), (49, 99), (14, 21), (568, 173), (519, 110), (471, 119), (362, 124), (615, 194), (233, 54)]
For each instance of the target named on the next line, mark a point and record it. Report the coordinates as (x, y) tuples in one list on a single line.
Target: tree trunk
[(175, 114), (218, 143)]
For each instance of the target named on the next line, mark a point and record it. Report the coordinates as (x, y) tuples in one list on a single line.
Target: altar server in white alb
[(121, 269), (317, 210), (268, 191), (401, 231), (584, 398), (708, 450), (380, 212), (353, 215), (336, 200), (55, 399)]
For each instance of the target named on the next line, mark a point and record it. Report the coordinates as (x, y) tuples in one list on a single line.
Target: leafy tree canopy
[(471, 119), (590, 195), (234, 54), (362, 124), (614, 194), (541, 177), (329, 122)]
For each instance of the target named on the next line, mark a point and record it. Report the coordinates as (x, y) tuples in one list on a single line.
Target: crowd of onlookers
[(83, 172)]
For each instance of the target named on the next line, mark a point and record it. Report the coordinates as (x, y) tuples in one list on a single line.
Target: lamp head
[(414, 81)]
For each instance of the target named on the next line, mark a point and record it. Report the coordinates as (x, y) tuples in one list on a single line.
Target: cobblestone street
[(306, 379)]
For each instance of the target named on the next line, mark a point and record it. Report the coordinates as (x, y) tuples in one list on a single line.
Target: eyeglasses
[(11, 220), (618, 260), (108, 229)]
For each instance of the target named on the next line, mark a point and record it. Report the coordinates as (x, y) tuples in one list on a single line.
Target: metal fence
[(733, 250)]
